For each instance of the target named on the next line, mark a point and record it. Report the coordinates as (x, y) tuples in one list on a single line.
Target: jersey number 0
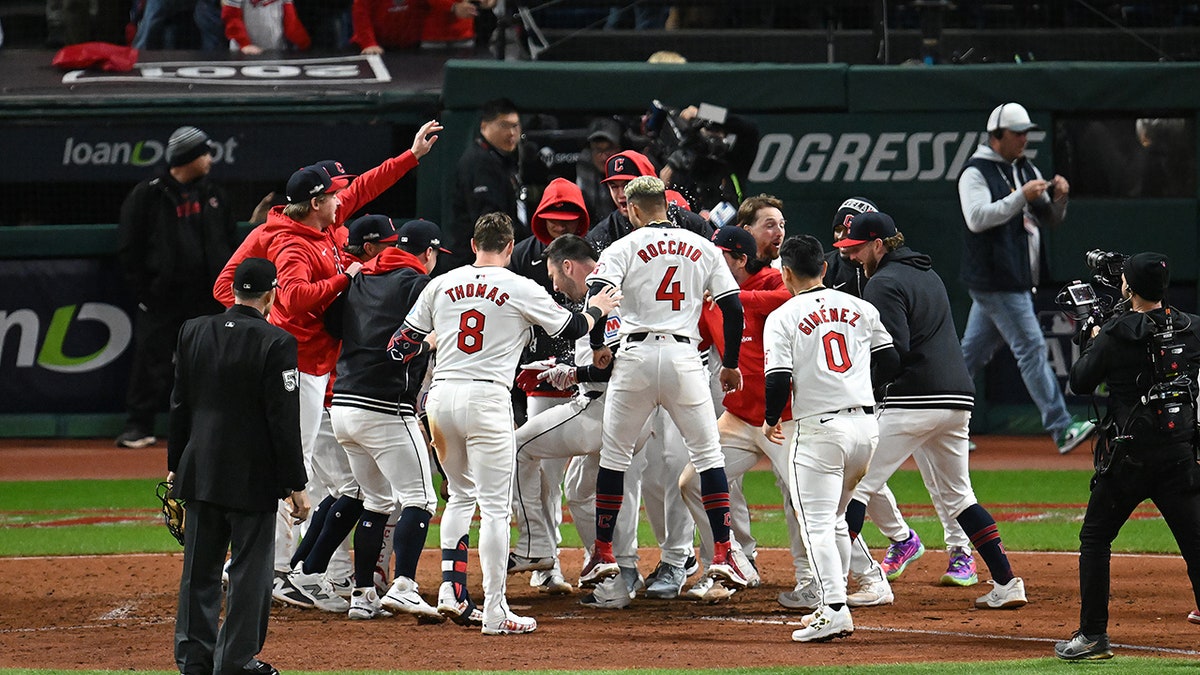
[(837, 357)]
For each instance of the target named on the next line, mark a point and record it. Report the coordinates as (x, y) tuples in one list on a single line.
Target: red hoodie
[(560, 195), (395, 24), (310, 264), (443, 25), (360, 191), (761, 294)]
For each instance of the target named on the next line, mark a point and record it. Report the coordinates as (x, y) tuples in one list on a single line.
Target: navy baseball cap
[(311, 181), (736, 240), (418, 235), (254, 275), (373, 229), (867, 226), (335, 168)]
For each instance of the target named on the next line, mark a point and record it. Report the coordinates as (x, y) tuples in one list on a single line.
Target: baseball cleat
[(364, 605), (600, 566), (1006, 596), (511, 624), (1194, 616), (803, 596), (667, 584), (343, 587), (900, 554), (702, 586), (462, 612), (550, 582), (871, 594), (691, 566), (1084, 648), (404, 597), (519, 563), (824, 625), (961, 571), (746, 566), (724, 568), (608, 594), (311, 590)]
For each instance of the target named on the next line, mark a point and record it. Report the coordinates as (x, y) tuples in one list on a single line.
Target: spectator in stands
[(328, 22), (176, 231), (394, 24), (488, 179), (451, 23), (175, 24), (604, 141), (254, 27)]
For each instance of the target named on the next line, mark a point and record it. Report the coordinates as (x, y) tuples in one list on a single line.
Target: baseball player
[(573, 430), (905, 544), (479, 316), (666, 271), (762, 217), (740, 423), (927, 407), (827, 349), (373, 413)]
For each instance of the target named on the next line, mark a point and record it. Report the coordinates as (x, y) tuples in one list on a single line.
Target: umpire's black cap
[(254, 275)]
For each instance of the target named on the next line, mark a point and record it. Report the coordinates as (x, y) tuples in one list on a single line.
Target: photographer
[(1148, 357), (705, 153)]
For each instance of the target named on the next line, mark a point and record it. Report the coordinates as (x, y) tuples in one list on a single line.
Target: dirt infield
[(117, 612)]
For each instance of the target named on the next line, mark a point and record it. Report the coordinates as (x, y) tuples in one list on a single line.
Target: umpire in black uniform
[(1143, 451), (233, 452)]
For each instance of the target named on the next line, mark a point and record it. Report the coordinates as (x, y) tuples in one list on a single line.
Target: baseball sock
[(314, 528), (610, 492), (368, 539), (714, 490), (341, 519), (856, 513), (454, 568), (411, 530), (985, 537)]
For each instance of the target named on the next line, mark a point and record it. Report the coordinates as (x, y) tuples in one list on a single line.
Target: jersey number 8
[(470, 331)]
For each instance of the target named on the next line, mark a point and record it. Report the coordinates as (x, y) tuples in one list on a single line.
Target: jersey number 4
[(837, 357), (670, 290), (470, 331)]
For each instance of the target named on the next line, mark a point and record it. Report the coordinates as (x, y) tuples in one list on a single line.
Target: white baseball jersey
[(663, 273), (824, 339), (482, 317), (583, 348)]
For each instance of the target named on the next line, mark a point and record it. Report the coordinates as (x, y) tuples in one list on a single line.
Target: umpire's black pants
[(210, 531), (1168, 477)]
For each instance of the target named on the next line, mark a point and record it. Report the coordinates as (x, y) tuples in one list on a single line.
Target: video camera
[(1081, 301), (683, 141)]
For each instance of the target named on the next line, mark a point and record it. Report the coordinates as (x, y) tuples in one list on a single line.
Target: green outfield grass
[(121, 516), (1134, 665)]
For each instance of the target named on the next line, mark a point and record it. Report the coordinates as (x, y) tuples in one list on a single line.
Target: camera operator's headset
[(998, 132)]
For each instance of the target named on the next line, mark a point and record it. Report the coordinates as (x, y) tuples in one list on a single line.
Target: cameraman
[(1138, 456), (710, 163)]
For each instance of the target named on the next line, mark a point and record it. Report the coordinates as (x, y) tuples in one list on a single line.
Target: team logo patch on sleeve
[(291, 378)]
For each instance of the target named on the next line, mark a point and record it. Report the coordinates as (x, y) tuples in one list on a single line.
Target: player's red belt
[(639, 337)]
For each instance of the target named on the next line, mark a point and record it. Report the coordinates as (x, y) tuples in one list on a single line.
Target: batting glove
[(560, 377), (530, 375)]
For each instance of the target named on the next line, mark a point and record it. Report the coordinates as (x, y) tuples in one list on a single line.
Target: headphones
[(998, 132)]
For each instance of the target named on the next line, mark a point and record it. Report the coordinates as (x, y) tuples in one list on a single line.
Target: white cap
[(1011, 116)]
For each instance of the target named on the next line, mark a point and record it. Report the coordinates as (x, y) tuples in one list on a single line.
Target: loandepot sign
[(144, 152), (51, 353)]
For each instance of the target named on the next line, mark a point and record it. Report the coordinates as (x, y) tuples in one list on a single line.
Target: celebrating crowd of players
[(661, 360)]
